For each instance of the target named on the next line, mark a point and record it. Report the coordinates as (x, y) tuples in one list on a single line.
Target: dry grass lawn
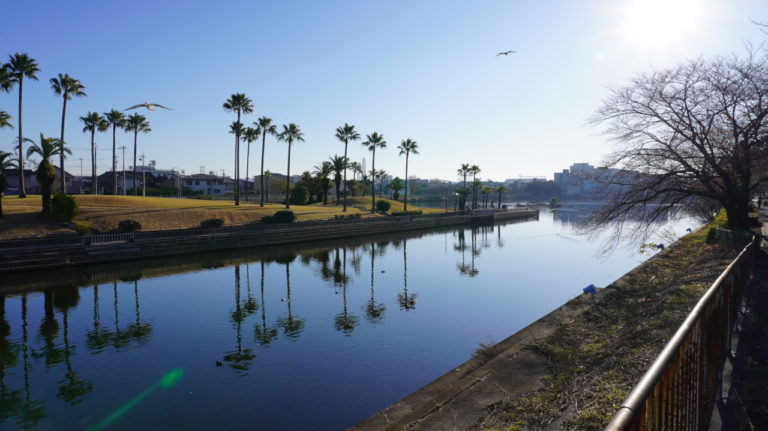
[(22, 217)]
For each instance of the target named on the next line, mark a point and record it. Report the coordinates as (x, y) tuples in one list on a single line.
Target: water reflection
[(353, 295)]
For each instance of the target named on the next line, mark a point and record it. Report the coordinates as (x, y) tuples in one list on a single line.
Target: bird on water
[(149, 106)]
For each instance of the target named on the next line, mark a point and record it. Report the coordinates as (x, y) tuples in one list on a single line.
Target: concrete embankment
[(615, 323), (44, 253)]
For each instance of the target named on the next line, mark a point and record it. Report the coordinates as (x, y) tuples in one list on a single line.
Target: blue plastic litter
[(660, 246), (590, 289)]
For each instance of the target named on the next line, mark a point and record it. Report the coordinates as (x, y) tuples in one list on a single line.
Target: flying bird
[(506, 53), (149, 106)]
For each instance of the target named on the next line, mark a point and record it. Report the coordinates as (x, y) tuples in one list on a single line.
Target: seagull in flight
[(149, 106), (506, 53)]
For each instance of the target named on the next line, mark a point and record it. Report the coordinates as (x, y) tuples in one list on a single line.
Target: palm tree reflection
[(264, 335), (374, 312), (344, 321), (239, 359), (407, 302), (72, 389), (49, 330), (292, 326)]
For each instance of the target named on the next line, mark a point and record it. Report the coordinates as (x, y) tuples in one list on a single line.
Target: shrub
[(407, 213), (712, 236), (212, 222), (128, 226), (299, 195), (383, 205), (63, 207), (82, 228), (282, 216)]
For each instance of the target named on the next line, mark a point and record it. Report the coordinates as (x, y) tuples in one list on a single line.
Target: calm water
[(318, 336)]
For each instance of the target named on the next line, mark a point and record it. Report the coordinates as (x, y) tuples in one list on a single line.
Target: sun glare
[(657, 23)]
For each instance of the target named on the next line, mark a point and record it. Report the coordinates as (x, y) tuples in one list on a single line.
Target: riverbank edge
[(461, 397), (39, 254)]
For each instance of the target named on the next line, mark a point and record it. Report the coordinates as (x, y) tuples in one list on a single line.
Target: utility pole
[(143, 177), (123, 148), (81, 166)]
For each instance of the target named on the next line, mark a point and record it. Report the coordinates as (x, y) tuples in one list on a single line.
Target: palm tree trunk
[(237, 172), (61, 146), (405, 201), (288, 180), (22, 191), (135, 137), (93, 161), (373, 181), (247, 164), (346, 142), (114, 161), (263, 140)]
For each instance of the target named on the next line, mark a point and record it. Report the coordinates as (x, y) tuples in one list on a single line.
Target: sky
[(424, 70)]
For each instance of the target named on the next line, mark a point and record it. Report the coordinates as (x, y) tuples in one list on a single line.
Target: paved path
[(746, 374)]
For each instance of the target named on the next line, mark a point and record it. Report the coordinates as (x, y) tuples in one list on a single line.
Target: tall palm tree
[(21, 66), (93, 122), (249, 135), (407, 147), (373, 141), (486, 190), (345, 134), (463, 170), (290, 133), (136, 123), (67, 87), (474, 170), (6, 162), (116, 119), (238, 103), (265, 127), (237, 129), (500, 189), (339, 165), (323, 172), (46, 175)]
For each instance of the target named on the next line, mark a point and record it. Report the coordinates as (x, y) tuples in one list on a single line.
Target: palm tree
[(463, 170), (136, 123), (6, 162), (237, 129), (21, 66), (339, 165), (345, 134), (500, 189), (265, 191), (93, 122), (486, 190), (5, 85), (323, 172), (290, 133), (67, 87), (380, 174), (46, 175), (373, 141), (407, 147), (249, 135), (116, 119), (265, 127), (474, 170), (238, 103)]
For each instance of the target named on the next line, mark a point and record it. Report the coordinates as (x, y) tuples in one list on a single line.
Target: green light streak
[(169, 380)]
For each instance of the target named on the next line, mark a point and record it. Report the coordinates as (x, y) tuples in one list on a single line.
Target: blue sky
[(423, 70)]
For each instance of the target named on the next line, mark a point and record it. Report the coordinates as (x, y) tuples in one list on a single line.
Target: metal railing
[(678, 391)]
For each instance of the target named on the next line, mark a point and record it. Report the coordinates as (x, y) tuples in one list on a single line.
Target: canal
[(314, 336)]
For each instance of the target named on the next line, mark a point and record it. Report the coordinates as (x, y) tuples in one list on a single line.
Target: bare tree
[(691, 137)]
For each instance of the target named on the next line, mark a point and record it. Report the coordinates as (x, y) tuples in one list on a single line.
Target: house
[(208, 184), (33, 187)]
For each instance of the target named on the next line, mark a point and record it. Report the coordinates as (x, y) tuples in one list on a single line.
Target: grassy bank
[(597, 358), (22, 217)]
